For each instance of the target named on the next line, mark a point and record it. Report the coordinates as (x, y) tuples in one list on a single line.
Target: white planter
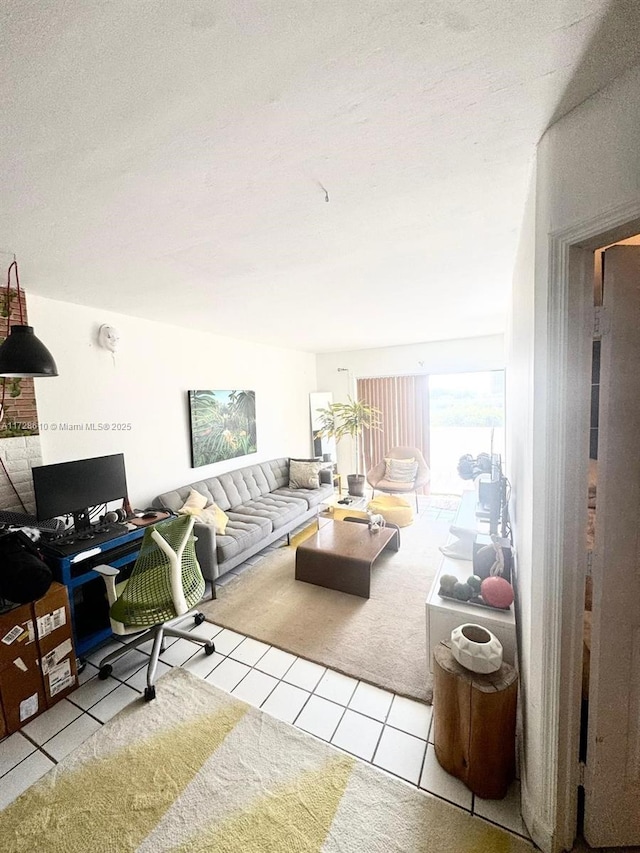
[(476, 648)]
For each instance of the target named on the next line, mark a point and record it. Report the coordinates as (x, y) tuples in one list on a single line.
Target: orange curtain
[(404, 403)]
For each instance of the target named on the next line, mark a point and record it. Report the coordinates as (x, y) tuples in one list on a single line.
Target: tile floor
[(391, 732)]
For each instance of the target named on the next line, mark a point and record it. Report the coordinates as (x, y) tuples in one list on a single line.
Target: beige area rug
[(196, 770), (381, 640)]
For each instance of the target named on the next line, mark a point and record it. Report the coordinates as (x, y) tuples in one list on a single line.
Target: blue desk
[(87, 593)]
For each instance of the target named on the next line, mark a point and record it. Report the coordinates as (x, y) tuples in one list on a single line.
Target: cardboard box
[(21, 688), (52, 617), (17, 630), (37, 658)]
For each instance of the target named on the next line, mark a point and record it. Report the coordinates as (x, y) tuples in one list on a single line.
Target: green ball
[(447, 583), (462, 591), (474, 582)]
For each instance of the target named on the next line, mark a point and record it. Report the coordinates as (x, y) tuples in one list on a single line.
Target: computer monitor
[(492, 496), (72, 488)]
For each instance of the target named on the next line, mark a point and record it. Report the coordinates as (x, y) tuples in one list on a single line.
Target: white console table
[(444, 614)]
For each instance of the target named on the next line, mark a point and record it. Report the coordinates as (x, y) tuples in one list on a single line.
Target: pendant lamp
[(22, 353)]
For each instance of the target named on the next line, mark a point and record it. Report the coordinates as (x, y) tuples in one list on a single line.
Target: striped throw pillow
[(400, 470)]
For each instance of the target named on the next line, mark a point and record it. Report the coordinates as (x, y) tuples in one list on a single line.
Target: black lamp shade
[(22, 354)]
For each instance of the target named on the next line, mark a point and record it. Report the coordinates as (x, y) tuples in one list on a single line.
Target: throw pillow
[(216, 517), (400, 470), (195, 501), (304, 475)]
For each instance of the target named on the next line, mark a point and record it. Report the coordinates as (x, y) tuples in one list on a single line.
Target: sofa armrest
[(326, 475), (206, 549)]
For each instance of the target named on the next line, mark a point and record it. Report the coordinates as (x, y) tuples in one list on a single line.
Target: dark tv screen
[(69, 487)]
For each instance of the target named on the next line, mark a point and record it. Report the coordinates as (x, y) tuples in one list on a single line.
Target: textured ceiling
[(321, 175)]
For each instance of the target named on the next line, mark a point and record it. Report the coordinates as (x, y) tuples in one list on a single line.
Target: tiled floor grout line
[(18, 763), (426, 749), (346, 706), (272, 689), (41, 748), (48, 755), (306, 701), (379, 738)]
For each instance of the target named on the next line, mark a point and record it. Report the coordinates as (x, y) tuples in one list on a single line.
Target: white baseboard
[(540, 831)]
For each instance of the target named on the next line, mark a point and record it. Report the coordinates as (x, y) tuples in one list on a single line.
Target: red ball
[(496, 592)]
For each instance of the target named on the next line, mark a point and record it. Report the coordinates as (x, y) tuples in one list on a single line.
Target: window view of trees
[(462, 405), (466, 416)]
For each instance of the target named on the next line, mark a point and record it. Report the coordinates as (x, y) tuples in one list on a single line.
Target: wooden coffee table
[(340, 556)]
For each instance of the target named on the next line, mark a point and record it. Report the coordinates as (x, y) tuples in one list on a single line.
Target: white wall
[(520, 338), (453, 356), (588, 169), (147, 387)]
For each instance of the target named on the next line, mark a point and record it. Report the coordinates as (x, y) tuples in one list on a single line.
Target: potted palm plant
[(350, 418)]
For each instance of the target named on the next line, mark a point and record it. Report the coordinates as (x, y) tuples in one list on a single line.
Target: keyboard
[(19, 519), (72, 542)]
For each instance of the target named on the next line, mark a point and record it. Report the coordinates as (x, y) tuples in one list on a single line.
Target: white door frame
[(562, 553)]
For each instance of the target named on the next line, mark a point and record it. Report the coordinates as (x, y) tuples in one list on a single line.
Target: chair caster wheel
[(198, 618), (105, 672), (209, 649), (149, 693)]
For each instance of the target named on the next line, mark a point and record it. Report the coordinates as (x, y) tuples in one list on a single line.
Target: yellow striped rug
[(197, 770)]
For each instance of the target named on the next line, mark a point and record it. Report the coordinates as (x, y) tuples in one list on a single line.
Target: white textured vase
[(476, 648)]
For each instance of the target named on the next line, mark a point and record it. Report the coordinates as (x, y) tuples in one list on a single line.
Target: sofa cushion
[(279, 509), (312, 497), (218, 493), (239, 536), (248, 518), (276, 472), (243, 485)]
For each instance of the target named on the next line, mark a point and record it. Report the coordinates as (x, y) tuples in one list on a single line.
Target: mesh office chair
[(164, 586)]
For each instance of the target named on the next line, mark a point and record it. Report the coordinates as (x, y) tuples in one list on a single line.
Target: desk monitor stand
[(81, 520)]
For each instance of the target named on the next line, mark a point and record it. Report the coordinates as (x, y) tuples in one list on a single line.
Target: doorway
[(610, 734), (562, 513)]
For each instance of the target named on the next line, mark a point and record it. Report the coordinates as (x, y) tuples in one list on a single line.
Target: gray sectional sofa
[(261, 508)]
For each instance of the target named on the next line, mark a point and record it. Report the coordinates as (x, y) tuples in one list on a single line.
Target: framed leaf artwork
[(223, 425)]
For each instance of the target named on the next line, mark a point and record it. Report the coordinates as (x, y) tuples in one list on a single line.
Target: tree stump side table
[(474, 719)]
